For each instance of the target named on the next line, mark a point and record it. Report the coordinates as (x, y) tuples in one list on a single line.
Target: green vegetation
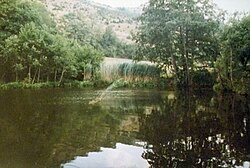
[(130, 74), (122, 83), (179, 35), (138, 72), (189, 42), (110, 36), (188, 38), (113, 47), (66, 84), (233, 65), (32, 50)]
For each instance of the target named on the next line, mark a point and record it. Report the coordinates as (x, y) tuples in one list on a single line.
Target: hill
[(94, 18)]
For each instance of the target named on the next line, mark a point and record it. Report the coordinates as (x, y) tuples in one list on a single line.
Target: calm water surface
[(58, 128)]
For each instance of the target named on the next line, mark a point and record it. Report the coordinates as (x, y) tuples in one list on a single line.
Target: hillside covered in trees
[(105, 28)]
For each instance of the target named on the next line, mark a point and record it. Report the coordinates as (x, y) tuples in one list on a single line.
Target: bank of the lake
[(83, 84)]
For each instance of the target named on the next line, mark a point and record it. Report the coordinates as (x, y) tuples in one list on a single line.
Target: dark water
[(135, 129)]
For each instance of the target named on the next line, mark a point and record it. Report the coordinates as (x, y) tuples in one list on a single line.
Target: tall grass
[(133, 72), (129, 71)]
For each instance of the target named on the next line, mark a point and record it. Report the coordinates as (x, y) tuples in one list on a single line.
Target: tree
[(16, 15), (78, 30), (32, 50), (178, 35), (27, 51), (109, 42), (233, 64)]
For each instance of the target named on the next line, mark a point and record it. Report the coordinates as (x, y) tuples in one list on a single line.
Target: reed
[(114, 69)]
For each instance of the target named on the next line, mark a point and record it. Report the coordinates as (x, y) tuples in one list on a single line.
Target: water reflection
[(198, 131), (122, 156), (53, 128)]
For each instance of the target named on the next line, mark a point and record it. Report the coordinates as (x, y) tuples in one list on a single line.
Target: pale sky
[(230, 5), (122, 3)]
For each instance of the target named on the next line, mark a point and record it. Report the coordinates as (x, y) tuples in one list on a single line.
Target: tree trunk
[(192, 67), (185, 56), (29, 74), (175, 68), (55, 75), (16, 76), (231, 67), (92, 73), (84, 73), (3, 75), (192, 58), (61, 78), (34, 78), (39, 73)]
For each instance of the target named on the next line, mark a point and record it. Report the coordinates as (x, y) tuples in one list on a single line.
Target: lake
[(60, 128)]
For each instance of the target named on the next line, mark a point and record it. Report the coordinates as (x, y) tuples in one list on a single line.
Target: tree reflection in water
[(49, 128), (198, 131)]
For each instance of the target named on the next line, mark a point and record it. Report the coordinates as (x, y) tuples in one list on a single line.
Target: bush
[(78, 84), (23, 85), (203, 78)]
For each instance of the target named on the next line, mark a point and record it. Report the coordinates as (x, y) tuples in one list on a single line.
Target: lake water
[(58, 128)]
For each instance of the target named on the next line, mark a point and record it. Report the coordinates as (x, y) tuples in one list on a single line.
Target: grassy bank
[(81, 84), (201, 79), (69, 84)]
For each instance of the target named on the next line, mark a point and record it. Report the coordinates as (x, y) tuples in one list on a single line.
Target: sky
[(122, 3), (230, 5)]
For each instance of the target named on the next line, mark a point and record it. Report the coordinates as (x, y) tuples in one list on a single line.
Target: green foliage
[(15, 14), (24, 85), (233, 65), (203, 78), (177, 34), (113, 47), (122, 83), (107, 42), (34, 52), (79, 31), (138, 71), (79, 84)]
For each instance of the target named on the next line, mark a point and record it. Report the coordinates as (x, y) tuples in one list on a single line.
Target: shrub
[(203, 78)]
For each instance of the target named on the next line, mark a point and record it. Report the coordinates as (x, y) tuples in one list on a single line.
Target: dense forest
[(192, 43)]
